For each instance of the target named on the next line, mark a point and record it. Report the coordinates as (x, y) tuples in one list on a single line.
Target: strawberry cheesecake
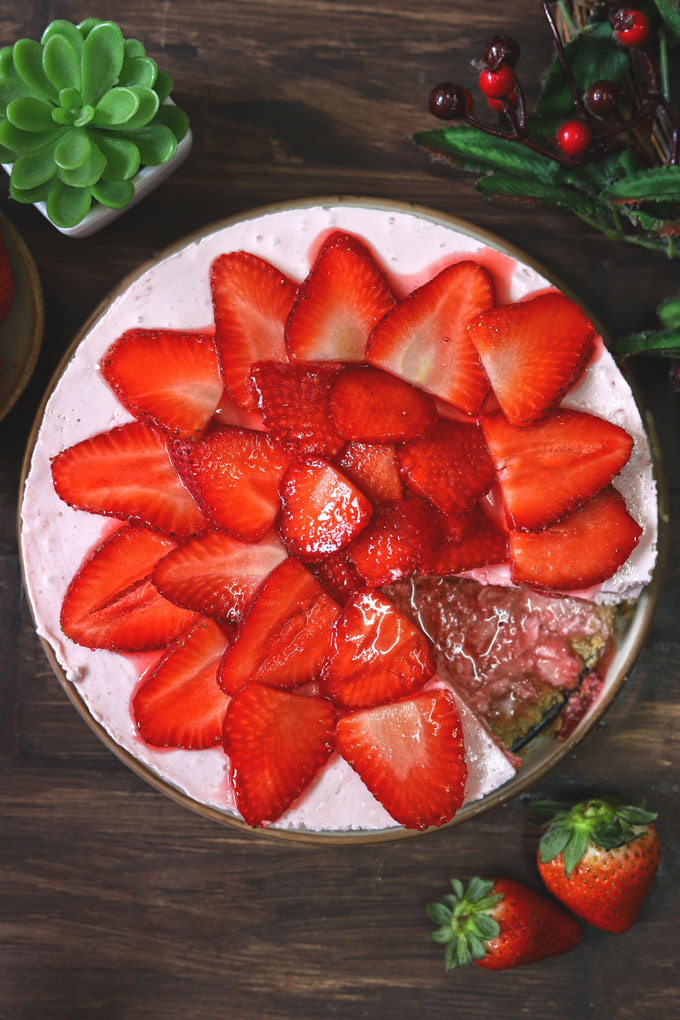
[(330, 510)]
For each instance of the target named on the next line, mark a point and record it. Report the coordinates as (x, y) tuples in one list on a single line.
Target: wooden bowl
[(544, 751), (22, 328)]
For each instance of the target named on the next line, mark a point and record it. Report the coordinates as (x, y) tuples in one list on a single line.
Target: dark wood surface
[(116, 902)]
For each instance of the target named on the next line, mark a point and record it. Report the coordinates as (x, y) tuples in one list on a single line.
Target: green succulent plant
[(82, 111)]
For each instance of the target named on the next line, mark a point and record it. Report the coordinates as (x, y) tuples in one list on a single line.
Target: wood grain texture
[(115, 902)]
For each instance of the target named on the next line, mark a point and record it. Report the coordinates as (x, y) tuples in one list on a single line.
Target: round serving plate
[(544, 751), (22, 328)]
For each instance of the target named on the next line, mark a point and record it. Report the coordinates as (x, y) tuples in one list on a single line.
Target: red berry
[(600, 97), (497, 105), (501, 49), (498, 83), (631, 27), (574, 137), (448, 101)]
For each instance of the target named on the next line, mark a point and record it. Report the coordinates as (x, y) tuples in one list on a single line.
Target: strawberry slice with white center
[(583, 549), (127, 473), (373, 467), (276, 742), (410, 755), (294, 404), (217, 575), (178, 703), (166, 377), (397, 537), (554, 467), (370, 405), (284, 635), (322, 510), (376, 654), (111, 602), (252, 300), (340, 576), (532, 352), (425, 341), (234, 475), (472, 541), (451, 467), (338, 304)]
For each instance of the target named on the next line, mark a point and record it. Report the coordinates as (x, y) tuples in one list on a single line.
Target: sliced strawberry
[(322, 510), (252, 300), (127, 473), (583, 549), (451, 467), (6, 281), (410, 755), (178, 703), (532, 352), (338, 304), (276, 742), (376, 654), (482, 543), (284, 636), (229, 413), (111, 602), (398, 535), (216, 574), (294, 404), (166, 377), (372, 406), (340, 576), (554, 467), (424, 339), (234, 475), (373, 467)]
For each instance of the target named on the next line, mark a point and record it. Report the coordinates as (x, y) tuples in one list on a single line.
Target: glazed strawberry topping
[(294, 404), (376, 654), (111, 602), (127, 473), (555, 467), (322, 510), (276, 742), (425, 340), (532, 352), (410, 755), (216, 574), (178, 703), (374, 407), (338, 304), (252, 300), (359, 472), (166, 377)]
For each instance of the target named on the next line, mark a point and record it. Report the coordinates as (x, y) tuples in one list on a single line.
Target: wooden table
[(116, 902)]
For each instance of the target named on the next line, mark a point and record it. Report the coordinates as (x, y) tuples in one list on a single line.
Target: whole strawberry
[(599, 857), (498, 923)]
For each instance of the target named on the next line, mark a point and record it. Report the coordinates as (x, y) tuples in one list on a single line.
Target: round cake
[(355, 479)]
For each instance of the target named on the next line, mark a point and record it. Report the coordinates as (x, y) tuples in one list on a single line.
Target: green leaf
[(70, 99), (470, 149), (32, 171), (590, 57), (88, 173), (441, 935), (164, 84), (174, 118), (117, 107), (670, 12), (438, 913), (663, 343), (478, 888), (138, 71), (15, 88), (30, 115), (631, 813), (72, 150), (660, 184), (114, 194), (122, 158), (28, 62), (66, 118), (147, 110), (102, 60), (25, 142), (553, 842), (86, 26), (156, 144), (67, 31), (488, 927), (538, 192), (134, 48), (7, 69), (61, 63), (6, 155), (458, 888), (31, 195), (67, 207), (652, 224), (83, 116), (451, 955), (669, 313), (574, 850), (477, 950)]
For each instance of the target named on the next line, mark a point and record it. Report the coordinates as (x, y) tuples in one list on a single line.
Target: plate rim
[(27, 265), (636, 634)]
